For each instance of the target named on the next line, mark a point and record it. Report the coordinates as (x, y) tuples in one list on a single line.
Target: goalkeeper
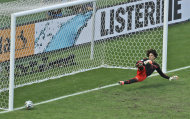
[(146, 67)]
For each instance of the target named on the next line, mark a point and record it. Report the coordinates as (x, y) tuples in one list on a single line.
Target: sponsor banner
[(63, 32), (109, 22), (24, 44), (138, 16)]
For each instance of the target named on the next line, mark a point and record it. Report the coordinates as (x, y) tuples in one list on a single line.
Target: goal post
[(165, 37), (93, 31), (12, 62)]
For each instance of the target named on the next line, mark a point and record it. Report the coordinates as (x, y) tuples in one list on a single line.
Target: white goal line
[(90, 90)]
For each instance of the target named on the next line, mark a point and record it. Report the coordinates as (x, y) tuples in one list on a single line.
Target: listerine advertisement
[(138, 16), (63, 32)]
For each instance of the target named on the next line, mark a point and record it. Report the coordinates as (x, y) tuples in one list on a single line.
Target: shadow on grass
[(156, 85)]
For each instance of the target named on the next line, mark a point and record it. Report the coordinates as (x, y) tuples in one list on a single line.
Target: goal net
[(55, 39)]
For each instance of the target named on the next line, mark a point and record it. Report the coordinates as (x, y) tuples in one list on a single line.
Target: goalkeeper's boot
[(121, 82)]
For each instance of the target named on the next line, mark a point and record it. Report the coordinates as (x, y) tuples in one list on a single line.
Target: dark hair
[(153, 52)]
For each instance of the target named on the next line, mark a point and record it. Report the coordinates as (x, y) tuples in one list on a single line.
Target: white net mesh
[(130, 29), (55, 43), (22, 5)]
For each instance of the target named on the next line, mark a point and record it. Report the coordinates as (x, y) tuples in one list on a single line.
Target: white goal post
[(165, 37), (49, 41)]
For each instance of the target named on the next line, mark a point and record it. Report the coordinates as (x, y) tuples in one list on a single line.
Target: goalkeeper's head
[(152, 54)]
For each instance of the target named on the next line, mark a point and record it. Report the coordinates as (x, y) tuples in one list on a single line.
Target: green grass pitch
[(153, 98)]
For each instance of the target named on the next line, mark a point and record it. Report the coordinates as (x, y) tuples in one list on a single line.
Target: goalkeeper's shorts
[(141, 74)]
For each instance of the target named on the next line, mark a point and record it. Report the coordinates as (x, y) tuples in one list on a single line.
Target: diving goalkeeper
[(146, 67)]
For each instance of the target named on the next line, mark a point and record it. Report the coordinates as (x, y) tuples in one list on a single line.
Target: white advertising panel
[(63, 32), (138, 16), (109, 22)]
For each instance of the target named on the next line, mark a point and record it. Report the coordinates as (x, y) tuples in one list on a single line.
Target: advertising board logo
[(24, 43), (138, 16), (23, 39), (60, 33)]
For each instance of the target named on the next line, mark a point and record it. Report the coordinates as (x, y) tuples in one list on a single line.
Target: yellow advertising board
[(24, 44)]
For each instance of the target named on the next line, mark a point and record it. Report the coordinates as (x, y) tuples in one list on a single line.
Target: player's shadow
[(156, 85)]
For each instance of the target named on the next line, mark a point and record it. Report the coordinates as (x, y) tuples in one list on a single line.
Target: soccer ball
[(28, 105)]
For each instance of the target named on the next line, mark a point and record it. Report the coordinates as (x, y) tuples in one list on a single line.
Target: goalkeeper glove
[(173, 78), (139, 64), (147, 62)]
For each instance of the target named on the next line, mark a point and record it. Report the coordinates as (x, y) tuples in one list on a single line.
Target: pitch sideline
[(87, 91)]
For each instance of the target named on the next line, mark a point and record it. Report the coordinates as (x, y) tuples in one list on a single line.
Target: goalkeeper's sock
[(130, 81), (121, 82)]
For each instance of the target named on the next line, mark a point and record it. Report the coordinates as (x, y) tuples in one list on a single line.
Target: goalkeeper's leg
[(133, 80), (141, 75)]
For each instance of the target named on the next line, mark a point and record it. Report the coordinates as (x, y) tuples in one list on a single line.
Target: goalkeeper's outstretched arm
[(165, 76)]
